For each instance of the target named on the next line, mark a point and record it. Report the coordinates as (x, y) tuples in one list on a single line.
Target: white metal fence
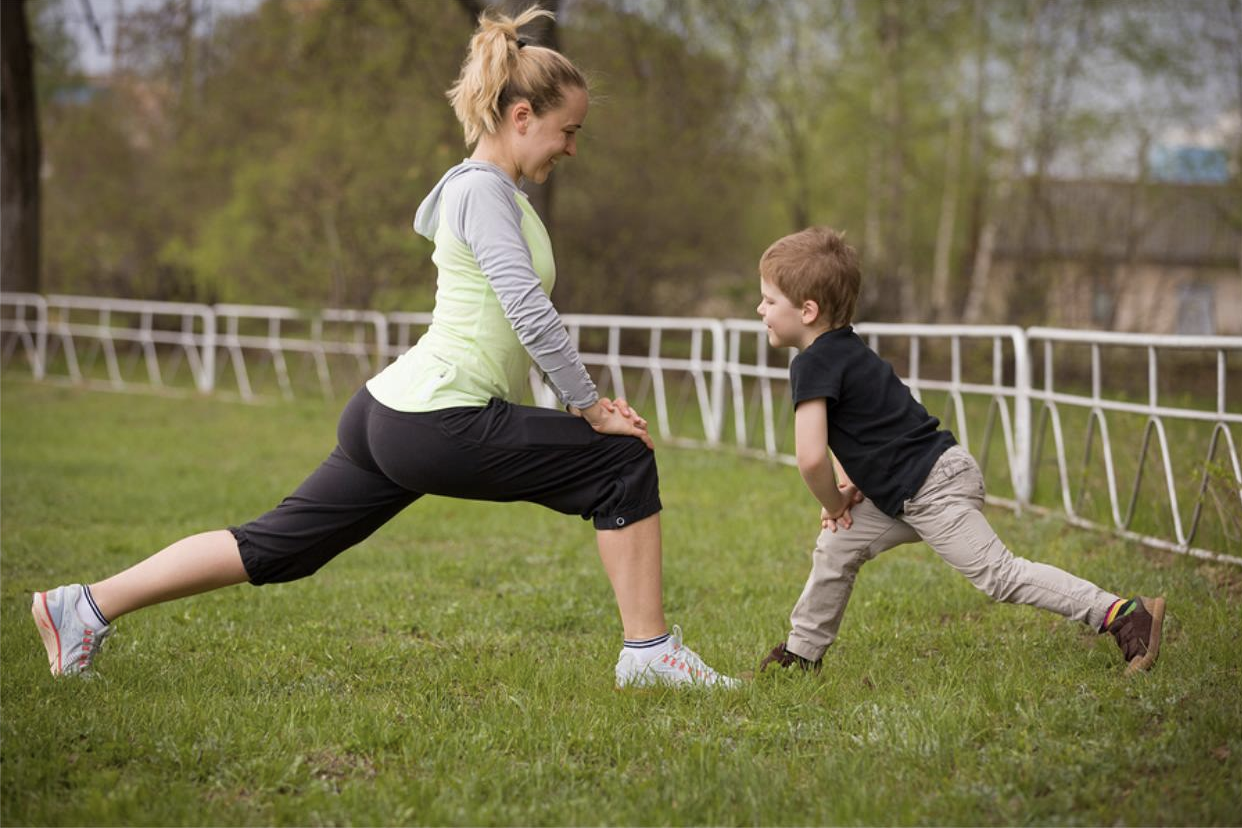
[(1159, 412)]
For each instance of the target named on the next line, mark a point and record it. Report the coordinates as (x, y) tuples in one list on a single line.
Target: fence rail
[(710, 382)]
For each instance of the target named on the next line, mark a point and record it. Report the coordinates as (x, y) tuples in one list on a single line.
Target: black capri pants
[(387, 459)]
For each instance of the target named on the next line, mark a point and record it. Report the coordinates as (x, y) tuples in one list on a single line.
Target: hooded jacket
[(492, 314)]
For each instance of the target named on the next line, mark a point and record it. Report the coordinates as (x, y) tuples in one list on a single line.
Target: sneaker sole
[(658, 685), (1144, 662), (47, 631)]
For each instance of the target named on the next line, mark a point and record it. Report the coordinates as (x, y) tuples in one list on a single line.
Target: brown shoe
[(1138, 634), (783, 658)]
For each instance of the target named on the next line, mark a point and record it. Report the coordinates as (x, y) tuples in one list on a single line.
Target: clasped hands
[(841, 519), (615, 417)]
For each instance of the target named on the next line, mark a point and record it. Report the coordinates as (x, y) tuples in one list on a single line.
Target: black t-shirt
[(884, 439)]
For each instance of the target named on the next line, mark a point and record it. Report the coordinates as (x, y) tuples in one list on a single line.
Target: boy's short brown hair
[(815, 264)]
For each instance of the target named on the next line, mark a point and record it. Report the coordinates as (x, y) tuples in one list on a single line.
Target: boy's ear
[(810, 312)]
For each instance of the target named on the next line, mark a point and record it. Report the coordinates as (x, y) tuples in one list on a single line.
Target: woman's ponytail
[(500, 68)]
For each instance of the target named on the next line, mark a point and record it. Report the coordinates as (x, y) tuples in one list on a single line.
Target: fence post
[(1023, 473), (718, 382)]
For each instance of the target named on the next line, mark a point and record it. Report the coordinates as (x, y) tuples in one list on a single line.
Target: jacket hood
[(427, 219)]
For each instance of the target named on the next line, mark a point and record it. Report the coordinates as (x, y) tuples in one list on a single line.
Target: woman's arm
[(485, 216)]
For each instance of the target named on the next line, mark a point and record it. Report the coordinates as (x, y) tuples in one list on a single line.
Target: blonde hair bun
[(500, 68)]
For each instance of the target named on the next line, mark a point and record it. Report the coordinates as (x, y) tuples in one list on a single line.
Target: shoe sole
[(657, 685), (1144, 662), (47, 631)]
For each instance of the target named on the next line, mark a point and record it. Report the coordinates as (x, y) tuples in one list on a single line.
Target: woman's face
[(543, 140)]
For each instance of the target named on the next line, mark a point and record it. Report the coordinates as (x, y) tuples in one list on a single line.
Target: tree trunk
[(904, 293), (977, 296), (978, 180), (875, 255), (21, 157), (1028, 299), (948, 218)]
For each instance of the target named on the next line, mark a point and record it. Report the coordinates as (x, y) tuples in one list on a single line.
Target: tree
[(21, 155), (1011, 171)]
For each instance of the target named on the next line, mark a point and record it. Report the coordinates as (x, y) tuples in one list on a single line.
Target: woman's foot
[(70, 642), (675, 664)]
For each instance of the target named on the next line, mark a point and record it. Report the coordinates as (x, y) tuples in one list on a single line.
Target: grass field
[(457, 667)]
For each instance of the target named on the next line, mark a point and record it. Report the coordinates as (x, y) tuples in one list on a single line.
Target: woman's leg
[(199, 563), (633, 558), (339, 505)]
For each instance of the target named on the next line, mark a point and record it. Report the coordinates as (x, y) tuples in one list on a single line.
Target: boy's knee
[(844, 553), (994, 578)]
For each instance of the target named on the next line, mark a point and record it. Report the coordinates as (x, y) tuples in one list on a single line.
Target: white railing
[(693, 376), (1156, 419), (1007, 401), (23, 323), (125, 333), (698, 359)]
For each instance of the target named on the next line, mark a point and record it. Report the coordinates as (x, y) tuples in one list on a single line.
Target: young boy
[(899, 477)]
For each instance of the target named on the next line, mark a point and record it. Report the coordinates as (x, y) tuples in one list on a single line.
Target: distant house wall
[(1153, 258), (1148, 298)]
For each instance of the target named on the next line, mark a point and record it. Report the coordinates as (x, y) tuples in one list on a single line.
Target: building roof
[(1154, 222)]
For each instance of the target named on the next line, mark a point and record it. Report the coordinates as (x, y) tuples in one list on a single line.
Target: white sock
[(87, 611), (648, 648)]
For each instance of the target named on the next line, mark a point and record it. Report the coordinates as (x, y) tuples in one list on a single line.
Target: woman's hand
[(615, 417)]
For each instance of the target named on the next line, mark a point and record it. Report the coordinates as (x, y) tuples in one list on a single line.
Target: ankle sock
[(1120, 609), (647, 648), (88, 611)]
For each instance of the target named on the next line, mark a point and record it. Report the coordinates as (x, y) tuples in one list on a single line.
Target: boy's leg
[(947, 514), (834, 564)]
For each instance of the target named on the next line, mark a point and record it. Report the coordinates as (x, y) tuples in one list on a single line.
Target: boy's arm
[(848, 490), (843, 479), (814, 461)]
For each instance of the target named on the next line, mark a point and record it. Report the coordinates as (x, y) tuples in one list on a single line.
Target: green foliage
[(55, 57), (282, 158), (676, 183), (456, 667)]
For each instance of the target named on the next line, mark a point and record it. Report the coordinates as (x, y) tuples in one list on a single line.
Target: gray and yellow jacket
[(492, 311)]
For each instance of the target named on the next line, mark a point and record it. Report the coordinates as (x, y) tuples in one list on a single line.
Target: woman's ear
[(520, 115)]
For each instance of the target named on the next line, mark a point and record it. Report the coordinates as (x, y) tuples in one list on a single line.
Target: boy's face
[(785, 321)]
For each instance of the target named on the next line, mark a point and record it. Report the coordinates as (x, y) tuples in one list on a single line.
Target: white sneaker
[(680, 665), (70, 644)]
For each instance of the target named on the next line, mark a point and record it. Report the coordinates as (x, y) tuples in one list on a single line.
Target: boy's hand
[(831, 522), (841, 519), (851, 494)]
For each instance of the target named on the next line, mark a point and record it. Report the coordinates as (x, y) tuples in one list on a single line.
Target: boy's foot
[(784, 658), (71, 645), (1138, 634), (679, 665)]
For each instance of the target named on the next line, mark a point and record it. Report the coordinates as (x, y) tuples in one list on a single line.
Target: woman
[(442, 419)]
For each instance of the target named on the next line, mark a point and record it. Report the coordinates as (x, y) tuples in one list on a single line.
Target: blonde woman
[(443, 418)]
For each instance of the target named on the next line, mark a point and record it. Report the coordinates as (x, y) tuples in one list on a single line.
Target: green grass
[(456, 668)]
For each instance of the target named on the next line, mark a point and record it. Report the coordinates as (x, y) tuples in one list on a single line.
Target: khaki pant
[(946, 513)]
